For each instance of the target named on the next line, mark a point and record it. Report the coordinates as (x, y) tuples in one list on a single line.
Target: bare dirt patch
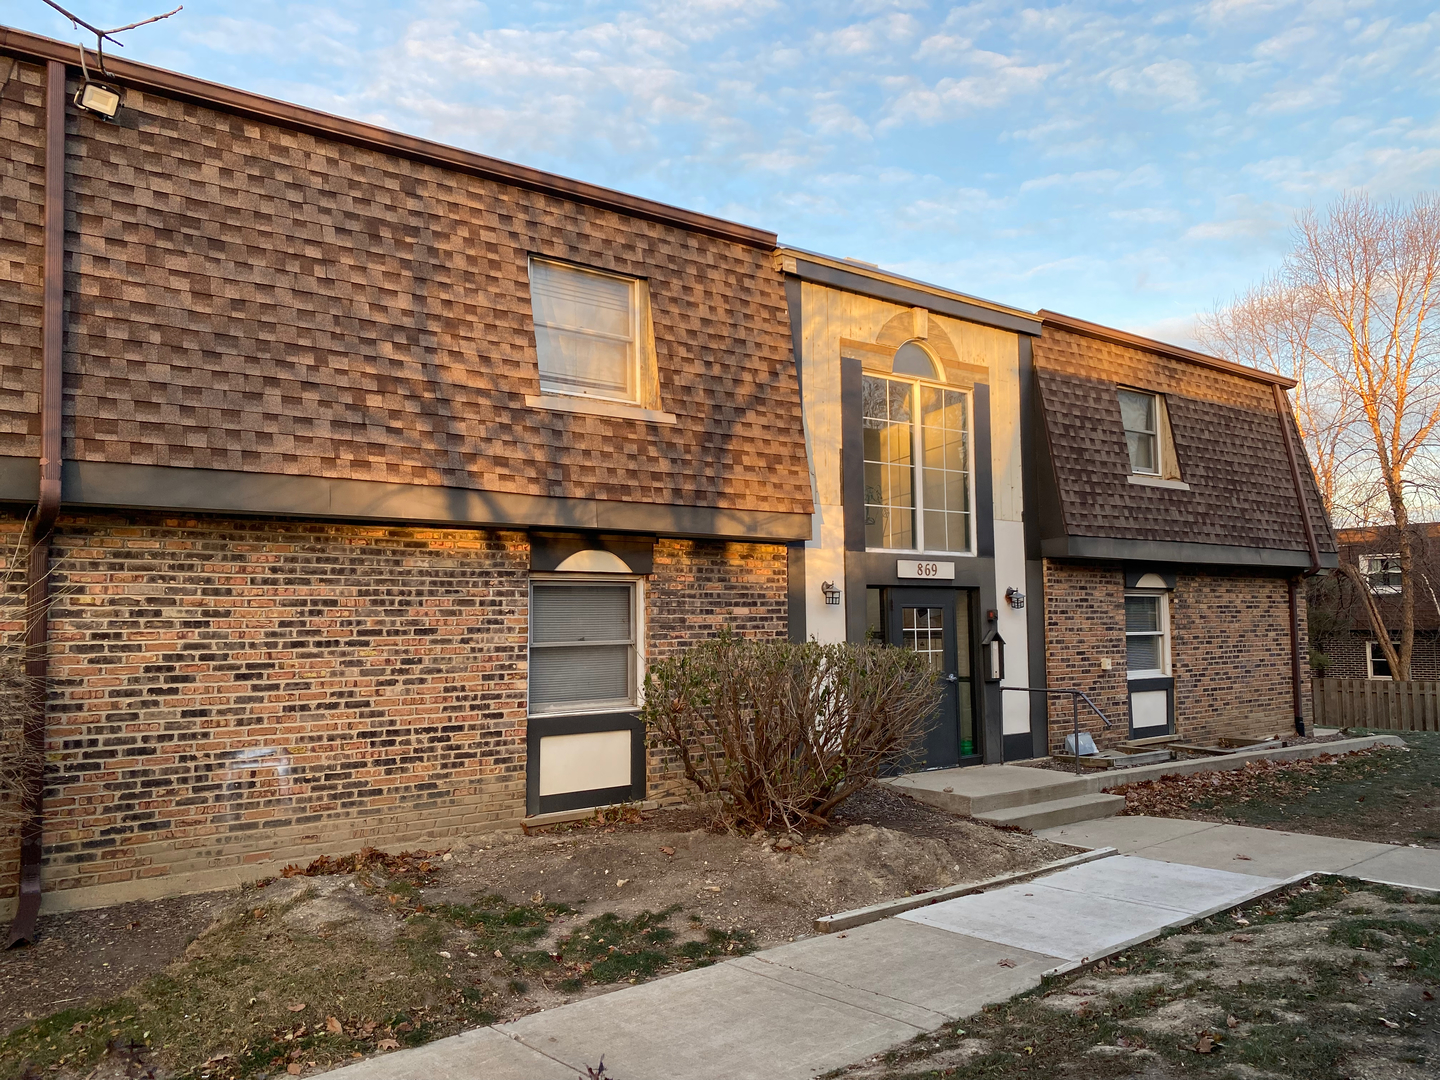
[(346, 958), (1332, 980)]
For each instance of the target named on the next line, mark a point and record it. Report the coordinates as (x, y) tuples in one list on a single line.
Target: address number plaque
[(925, 570)]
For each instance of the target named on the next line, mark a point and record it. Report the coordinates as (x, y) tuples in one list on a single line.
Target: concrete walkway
[(1261, 852), (795, 1011)]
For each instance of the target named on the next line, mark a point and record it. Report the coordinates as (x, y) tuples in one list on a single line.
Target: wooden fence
[(1377, 703)]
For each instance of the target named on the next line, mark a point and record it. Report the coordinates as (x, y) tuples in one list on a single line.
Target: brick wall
[(229, 693), (1230, 651), (1348, 661)]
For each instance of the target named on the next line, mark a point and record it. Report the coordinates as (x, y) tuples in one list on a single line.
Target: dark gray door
[(936, 623)]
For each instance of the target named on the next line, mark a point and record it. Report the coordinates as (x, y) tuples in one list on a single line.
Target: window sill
[(1134, 676), (1158, 481), (599, 407)]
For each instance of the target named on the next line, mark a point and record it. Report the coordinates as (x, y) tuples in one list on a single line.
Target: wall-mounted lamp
[(1015, 598), (832, 594), (100, 99)]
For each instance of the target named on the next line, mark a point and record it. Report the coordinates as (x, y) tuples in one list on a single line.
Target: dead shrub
[(18, 761), (780, 733)]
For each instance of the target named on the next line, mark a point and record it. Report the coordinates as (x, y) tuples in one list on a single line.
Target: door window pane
[(582, 646), (922, 630), (889, 469)]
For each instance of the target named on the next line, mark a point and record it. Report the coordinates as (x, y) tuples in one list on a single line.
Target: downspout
[(1297, 688), (37, 582)]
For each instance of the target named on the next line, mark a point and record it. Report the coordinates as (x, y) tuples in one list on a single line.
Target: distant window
[(1382, 571), (583, 654), (587, 331), (1379, 664), (1146, 634), (1140, 413)]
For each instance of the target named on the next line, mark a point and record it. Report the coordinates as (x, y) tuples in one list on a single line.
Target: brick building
[(1345, 645), (1177, 515), (1037, 501), (376, 471)]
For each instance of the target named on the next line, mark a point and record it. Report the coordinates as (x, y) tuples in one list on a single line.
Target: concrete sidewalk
[(1262, 852), (795, 1011)]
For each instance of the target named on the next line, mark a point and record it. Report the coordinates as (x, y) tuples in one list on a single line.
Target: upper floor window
[(1140, 414), (589, 331), (918, 486), (1382, 572)]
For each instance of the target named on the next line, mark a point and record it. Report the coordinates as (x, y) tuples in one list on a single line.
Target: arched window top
[(912, 358)]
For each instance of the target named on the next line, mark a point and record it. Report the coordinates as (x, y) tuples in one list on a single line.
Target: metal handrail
[(1076, 696)]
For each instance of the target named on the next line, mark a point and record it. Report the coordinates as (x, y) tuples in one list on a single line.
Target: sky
[(1129, 163)]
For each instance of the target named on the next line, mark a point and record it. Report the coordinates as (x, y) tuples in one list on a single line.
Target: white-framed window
[(1147, 635), (585, 636), (590, 331), (1382, 572), (1140, 414), (919, 490), (1377, 663)]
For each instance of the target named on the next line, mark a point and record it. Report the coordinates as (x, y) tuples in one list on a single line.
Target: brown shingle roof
[(1227, 438), (253, 296)]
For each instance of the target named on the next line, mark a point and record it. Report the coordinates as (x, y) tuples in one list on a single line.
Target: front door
[(936, 623)]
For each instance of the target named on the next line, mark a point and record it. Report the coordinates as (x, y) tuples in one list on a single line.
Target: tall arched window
[(918, 483)]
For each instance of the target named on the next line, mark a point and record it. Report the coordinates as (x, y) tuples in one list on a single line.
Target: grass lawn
[(1387, 795), (1335, 979)]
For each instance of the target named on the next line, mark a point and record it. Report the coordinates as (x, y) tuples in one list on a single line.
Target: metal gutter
[(866, 280), (1177, 352), (314, 122), (1297, 686), (37, 583)]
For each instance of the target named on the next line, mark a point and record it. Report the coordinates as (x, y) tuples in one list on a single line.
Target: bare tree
[(1355, 311)]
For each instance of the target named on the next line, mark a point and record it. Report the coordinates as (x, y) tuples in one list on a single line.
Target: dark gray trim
[(795, 591), (19, 479), (797, 338), (1163, 682), (913, 296), (1018, 747), (541, 726), (984, 481), (549, 550), (852, 453), (1174, 551), (94, 484), (1039, 707)]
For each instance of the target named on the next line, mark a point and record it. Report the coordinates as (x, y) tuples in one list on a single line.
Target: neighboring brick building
[(1173, 539), (385, 467), (1346, 646)]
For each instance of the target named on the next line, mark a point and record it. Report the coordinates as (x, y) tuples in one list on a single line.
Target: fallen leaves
[(1205, 1044), (387, 1044), (1006, 963), (667, 851), (299, 1006), (333, 1026), (1242, 939), (1391, 1024), (406, 863)]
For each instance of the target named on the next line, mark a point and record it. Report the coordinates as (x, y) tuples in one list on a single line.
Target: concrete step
[(1047, 815)]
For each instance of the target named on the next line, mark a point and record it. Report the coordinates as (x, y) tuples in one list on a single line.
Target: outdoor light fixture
[(1015, 597), (100, 99), (832, 594)]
